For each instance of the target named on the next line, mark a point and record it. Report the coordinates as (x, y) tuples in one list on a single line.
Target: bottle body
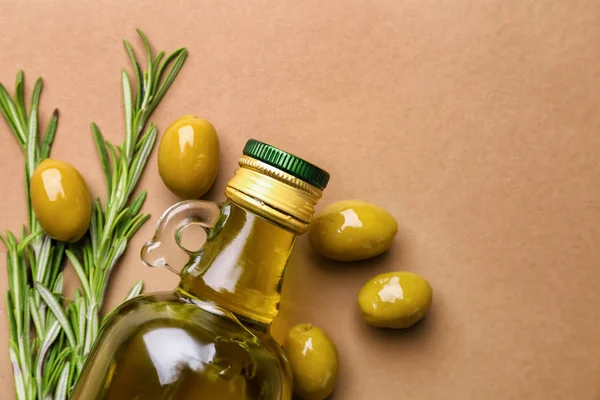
[(171, 346), (209, 337)]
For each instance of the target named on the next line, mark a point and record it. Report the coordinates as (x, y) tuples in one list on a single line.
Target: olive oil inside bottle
[(181, 345), (249, 255)]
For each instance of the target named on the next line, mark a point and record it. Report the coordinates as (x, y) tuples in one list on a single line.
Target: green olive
[(188, 157), (395, 300), (314, 361), (61, 200), (352, 230)]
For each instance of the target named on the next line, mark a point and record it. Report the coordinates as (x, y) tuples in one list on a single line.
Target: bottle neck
[(242, 264)]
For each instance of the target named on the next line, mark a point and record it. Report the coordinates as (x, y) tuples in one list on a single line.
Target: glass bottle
[(209, 338)]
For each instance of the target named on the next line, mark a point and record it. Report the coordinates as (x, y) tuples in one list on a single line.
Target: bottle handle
[(178, 234)]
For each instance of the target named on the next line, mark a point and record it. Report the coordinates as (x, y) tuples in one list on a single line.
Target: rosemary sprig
[(35, 257), (114, 224), (50, 335)]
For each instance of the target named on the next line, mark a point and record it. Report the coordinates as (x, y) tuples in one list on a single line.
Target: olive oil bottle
[(209, 338)]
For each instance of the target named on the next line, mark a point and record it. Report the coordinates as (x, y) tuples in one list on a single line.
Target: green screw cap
[(287, 162)]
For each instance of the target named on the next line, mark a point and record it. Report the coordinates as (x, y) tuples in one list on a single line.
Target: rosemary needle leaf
[(32, 144), (23, 349), (63, 383), (137, 72), (20, 97), (80, 273), (49, 136), (16, 285), (58, 284), (135, 290), (25, 242), (101, 147), (121, 193), (37, 320), (81, 315), (33, 225), (58, 362), (12, 324), (54, 375), (158, 59), (9, 110), (58, 312), (156, 70), (49, 339), (31, 150), (137, 167), (168, 60), (42, 261), (35, 100), (122, 217), (59, 253), (92, 320), (27, 322), (168, 81), (12, 240), (137, 203), (19, 384), (116, 252), (144, 137), (37, 91), (137, 123), (11, 125), (135, 225), (146, 44), (94, 327), (99, 215), (129, 133), (115, 168), (148, 56)]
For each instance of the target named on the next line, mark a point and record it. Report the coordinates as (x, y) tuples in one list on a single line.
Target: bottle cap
[(277, 185), (287, 162)]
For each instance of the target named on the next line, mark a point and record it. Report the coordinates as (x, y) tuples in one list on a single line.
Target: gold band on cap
[(273, 194)]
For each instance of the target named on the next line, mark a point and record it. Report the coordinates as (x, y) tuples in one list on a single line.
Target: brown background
[(475, 123)]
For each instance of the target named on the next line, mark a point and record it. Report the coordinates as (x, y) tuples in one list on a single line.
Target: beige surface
[(474, 122)]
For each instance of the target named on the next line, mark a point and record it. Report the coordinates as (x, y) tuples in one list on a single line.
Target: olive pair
[(354, 230), (188, 163)]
